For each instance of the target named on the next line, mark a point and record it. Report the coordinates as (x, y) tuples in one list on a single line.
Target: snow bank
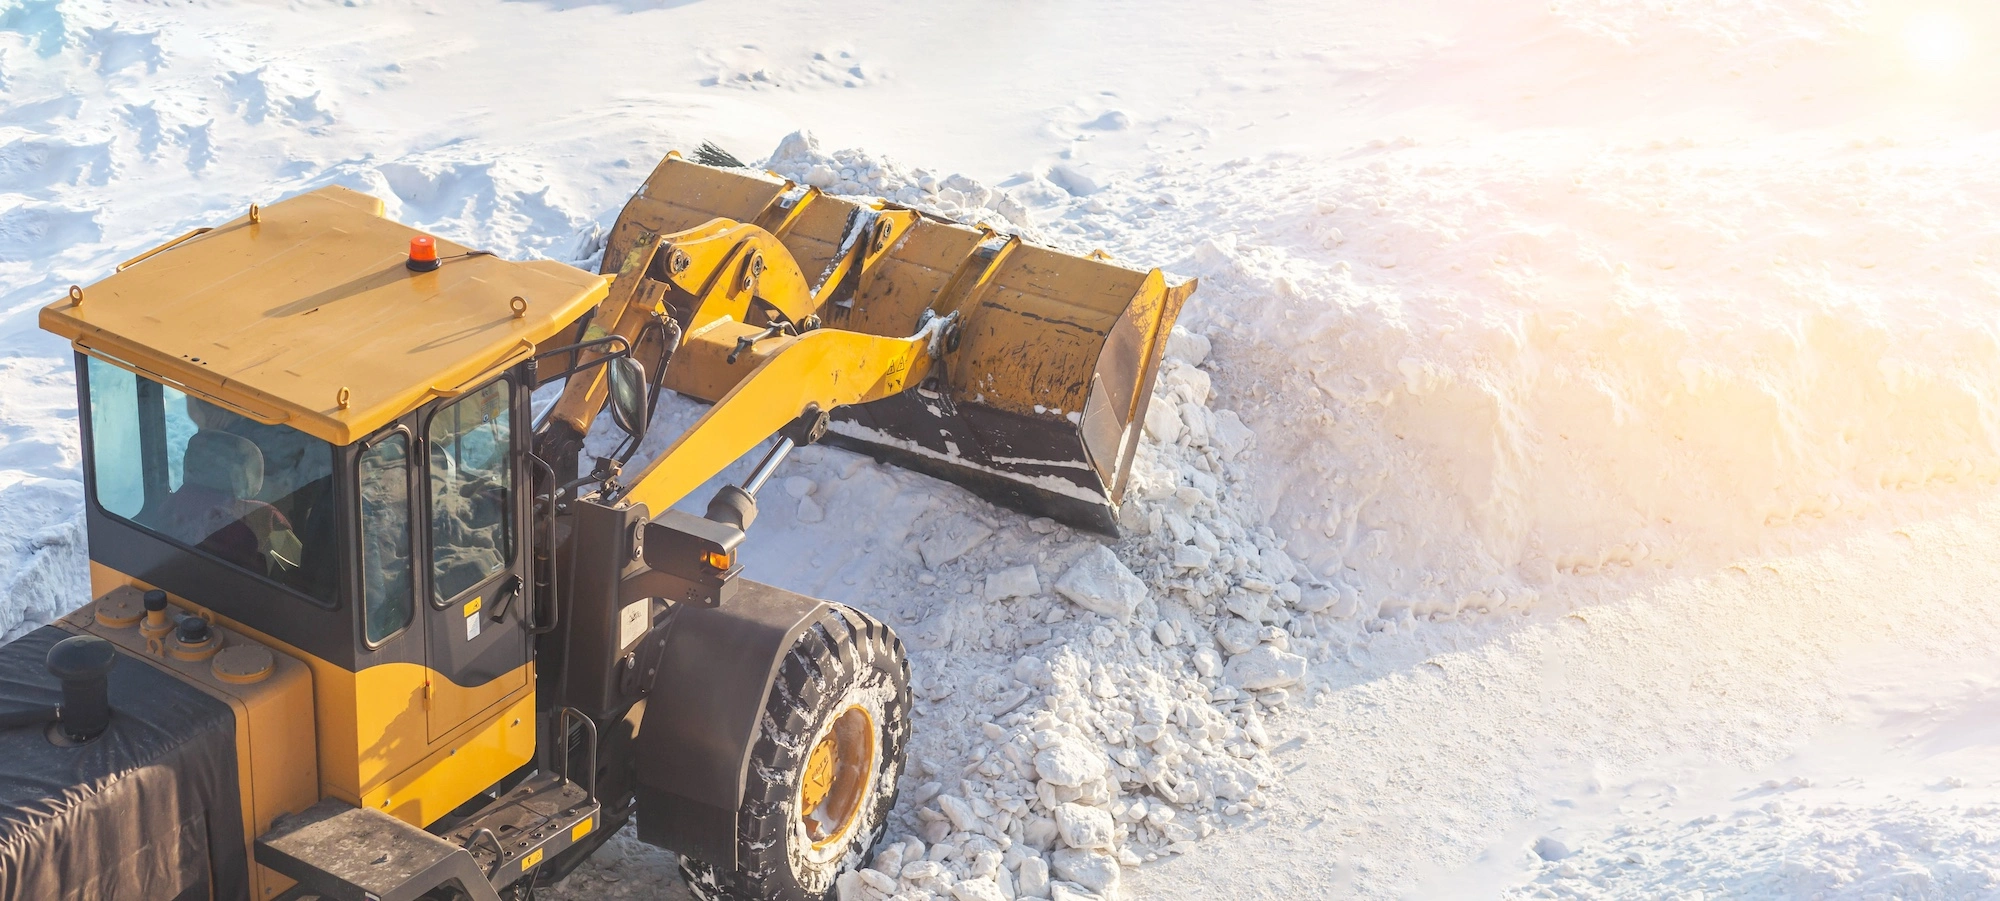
[(859, 173), (43, 572), (1483, 379), (1074, 716), (1775, 849), (1468, 385)]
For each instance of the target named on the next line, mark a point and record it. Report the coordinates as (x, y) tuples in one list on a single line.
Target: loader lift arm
[(738, 325), (824, 368)]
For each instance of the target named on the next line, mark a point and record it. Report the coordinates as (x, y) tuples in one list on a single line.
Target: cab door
[(476, 647)]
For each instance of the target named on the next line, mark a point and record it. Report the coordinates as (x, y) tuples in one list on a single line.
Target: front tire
[(830, 749)]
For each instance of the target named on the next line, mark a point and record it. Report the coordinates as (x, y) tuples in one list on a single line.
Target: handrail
[(522, 351), (163, 248), (211, 394), (590, 730), (499, 850)]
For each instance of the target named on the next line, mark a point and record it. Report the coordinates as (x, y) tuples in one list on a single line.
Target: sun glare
[(1937, 42)]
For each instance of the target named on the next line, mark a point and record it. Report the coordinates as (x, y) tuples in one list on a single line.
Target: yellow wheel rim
[(837, 777)]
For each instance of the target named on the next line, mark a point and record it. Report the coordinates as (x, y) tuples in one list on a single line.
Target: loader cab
[(402, 547), (289, 429)]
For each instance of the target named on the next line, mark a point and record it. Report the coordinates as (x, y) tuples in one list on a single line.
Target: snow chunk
[(1237, 636), (1073, 180), (1230, 435), (1264, 667), (1100, 582), (1094, 870), (1278, 565), (958, 812), (1549, 847), (1085, 827), (1013, 582), (1111, 120), (1317, 599), (1069, 764), (1163, 422), (1033, 879), (977, 890), (1187, 346), (1187, 556), (799, 146), (951, 542)]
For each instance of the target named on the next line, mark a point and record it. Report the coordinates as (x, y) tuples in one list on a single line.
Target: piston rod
[(764, 470)]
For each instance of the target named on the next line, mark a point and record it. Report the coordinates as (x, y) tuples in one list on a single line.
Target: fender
[(702, 711)]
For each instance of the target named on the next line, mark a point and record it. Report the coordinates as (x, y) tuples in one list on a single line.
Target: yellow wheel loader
[(365, 626)]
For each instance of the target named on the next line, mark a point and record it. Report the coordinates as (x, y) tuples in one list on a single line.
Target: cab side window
[(472, 483), (386, 587)]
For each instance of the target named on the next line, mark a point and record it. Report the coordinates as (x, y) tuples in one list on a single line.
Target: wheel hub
[(836, 778)]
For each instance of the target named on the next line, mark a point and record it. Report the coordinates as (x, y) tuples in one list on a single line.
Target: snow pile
[(1080, 710), (1131, 721), (859, 173), (1485, 379), (43, 571), (1900, 849)]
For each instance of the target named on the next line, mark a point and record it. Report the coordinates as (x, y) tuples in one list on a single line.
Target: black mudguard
[(692, 753)]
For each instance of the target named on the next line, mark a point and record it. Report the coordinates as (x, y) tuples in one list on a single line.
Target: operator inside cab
[(217, 507), (258, 497)]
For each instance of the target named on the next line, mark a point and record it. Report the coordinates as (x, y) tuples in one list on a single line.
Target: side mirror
[(628, 395)]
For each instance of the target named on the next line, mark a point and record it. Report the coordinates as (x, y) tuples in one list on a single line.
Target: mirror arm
[(671, 341), (624, 349), (667, 349)]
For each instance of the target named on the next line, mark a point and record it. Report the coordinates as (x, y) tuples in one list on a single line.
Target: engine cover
[(148, 810)]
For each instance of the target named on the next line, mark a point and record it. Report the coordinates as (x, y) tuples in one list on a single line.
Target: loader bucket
[(1040, 402)]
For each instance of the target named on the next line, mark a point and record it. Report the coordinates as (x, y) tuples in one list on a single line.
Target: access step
[(341, 852), (531, 823)]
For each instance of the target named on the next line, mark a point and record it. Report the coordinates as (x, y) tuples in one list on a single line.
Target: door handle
[(509, 589)]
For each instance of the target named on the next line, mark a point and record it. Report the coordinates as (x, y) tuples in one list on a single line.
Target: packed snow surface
[(1573, 478)]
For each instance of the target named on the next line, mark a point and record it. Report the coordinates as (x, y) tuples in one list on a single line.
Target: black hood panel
[(149, 810)]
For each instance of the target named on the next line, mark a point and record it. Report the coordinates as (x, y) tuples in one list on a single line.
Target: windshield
[(257, 497)]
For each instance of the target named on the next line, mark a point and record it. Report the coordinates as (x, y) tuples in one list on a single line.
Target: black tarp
[(148, 811)]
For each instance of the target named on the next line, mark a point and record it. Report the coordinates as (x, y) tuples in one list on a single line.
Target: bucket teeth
[(1040, 399)]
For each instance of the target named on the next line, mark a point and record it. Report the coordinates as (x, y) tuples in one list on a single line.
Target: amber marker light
[(719, 561), (423, 254)]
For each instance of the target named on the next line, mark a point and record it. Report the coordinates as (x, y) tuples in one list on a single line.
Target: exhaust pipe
[(83, 663)]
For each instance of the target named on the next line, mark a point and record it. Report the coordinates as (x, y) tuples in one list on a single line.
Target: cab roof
[(305, 315)]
